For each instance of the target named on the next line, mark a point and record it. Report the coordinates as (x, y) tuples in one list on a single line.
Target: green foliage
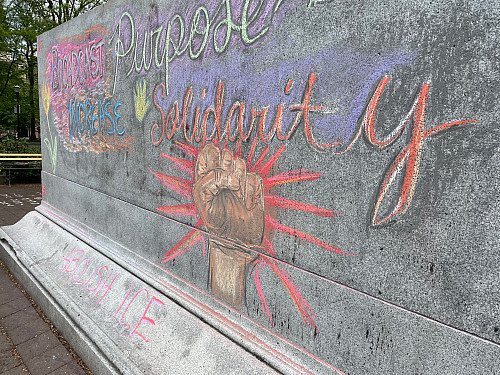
[(9, 144), (20, 23)]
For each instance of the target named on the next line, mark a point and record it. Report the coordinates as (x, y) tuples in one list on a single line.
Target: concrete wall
[(351, 224)]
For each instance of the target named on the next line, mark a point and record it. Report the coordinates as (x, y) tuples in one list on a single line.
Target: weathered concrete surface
[(359, 236), (116, 317)]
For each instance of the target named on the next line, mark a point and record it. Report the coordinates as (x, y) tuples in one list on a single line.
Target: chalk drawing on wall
[(407, 163), (313, 3), (329, 94), (226, 193), (50, 142), (230, 198), (141, 103), (85, 116), (140, 46)]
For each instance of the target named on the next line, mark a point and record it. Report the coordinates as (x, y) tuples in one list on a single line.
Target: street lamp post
[(17, 89)]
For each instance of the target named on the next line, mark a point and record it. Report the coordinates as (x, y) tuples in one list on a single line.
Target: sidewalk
[(17, 200), (29, 343)]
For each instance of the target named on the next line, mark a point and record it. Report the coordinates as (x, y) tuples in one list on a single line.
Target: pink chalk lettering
[(154, 300), (106, 286), (67, 260), (130, 303), (100, 279)]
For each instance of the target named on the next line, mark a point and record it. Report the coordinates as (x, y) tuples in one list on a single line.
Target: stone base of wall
[(120, 320), (114, 320)]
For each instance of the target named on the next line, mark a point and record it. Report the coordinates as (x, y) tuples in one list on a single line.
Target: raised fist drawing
[(230, 201)]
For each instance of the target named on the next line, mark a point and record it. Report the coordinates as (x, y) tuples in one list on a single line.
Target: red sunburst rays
[(185, 244), (181, 164), (179, 210), (180, 185), (184, 188), (306, 312), (272, 200)]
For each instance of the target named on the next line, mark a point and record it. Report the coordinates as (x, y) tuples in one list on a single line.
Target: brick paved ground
[(28, 341), (17, 200)]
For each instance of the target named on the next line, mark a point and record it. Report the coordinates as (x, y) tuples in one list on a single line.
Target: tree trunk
[(31, 79)]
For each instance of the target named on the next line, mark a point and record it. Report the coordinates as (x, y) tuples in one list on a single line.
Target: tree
[(61, 11), (20, 23), (10, 74)]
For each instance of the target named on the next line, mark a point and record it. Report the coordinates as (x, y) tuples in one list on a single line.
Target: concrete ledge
[(108, 327), (143, 333), (72, 332), (130, 252)]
